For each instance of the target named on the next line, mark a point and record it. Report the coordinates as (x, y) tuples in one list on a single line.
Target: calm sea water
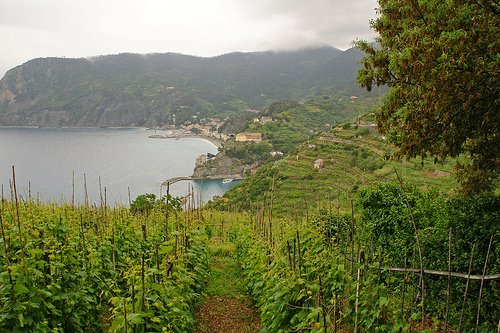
[(123, 159)]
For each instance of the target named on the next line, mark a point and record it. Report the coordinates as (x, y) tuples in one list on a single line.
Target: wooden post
[(125, 314), (5, 245), (420, 254), (167, 212), (322, 301), (271, 216), (294, 250), (288, 251), (73, 190), (403, 291), (338, 196), (100, 192), (104, 214), (113, 252), (466, 289), (358, 287), (85, 192), (157, 263), (412, 291), (448, 291), (298, 252), (352, 236), (129, 199), (143, 285), (19, 227), (482, 283), (134, 328), (306, 208)]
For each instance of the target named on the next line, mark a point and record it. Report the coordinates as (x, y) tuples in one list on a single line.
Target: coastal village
[(219, 165)]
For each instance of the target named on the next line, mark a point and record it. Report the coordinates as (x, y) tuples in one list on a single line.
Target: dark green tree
[(174, 203), (144, 203), (441, 61)]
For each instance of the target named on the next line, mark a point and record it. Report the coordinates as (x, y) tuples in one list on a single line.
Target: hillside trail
[(225, 307)]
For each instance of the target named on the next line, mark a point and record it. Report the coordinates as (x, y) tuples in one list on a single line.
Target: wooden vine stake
[(323, 307), (482, 284), (125, 314), (420, 255), (5, 245), (167, 212), (129, 199), (294, 251), (412, 291), (158, 276), (358, 287), (85, 192), (404, 290), (19, 227), (352, 236), (143, 295), (11, 191), (466, 289), (448, 292), (73, 191), (134, 328), (105, 220), (288, 252), (298, 253), (271, 216)]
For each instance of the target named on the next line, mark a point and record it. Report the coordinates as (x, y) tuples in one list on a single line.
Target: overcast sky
[(81, 28)]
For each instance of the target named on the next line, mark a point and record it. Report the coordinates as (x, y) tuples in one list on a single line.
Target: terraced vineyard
[(337, 248), (349, 162), (98, 269)]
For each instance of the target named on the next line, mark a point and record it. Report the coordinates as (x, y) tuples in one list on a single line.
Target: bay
[(122, 158)]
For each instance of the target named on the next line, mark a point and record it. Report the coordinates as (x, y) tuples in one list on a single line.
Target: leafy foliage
[(440, 60), (76, 269), (144, 203), (386, 223), (303, 293), (304, 276), (250, 153)]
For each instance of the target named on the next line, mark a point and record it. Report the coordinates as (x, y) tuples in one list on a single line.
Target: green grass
[(225, 273)]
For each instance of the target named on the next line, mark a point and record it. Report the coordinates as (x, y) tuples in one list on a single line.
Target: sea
[(118, 164)]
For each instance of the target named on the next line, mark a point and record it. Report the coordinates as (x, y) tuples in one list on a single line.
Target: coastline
[(76, 127), (180, 134), (167, 134)]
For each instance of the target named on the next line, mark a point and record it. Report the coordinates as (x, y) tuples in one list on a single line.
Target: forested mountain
[(165, 89)]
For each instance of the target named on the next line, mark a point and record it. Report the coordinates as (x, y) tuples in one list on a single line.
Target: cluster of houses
[(211, 128), (208, 129)]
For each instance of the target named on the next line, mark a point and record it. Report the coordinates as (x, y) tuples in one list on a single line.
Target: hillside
[(168, 89), (283, 126), (351, 158)]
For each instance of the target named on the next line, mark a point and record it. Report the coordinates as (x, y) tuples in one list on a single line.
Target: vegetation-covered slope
[(148, 90), (351, 159)]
